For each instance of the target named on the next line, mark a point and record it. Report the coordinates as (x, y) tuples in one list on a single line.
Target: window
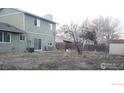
[(37, 44), (0, 36), (51, 26), (37, 22), (22, 37), (5, 37)]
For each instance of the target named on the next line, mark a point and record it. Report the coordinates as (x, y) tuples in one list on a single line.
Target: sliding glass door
[(37, 44)]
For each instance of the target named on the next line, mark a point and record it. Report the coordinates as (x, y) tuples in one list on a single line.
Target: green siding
[(44, 26), (43, 32), (8, 11), (15, 46), (26, 22), (15, 20)]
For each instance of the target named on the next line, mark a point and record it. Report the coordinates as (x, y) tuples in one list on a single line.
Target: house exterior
[(116, 47), (9, 38), (39, 32)]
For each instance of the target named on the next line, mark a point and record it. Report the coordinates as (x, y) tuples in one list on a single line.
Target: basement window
[(37, 22), (22, 37)]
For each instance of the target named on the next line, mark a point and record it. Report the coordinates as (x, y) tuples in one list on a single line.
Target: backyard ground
[(60, 60)]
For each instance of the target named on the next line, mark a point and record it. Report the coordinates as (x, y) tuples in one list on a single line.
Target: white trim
[(38, 33), (38, 22), (10, 37), (10, 14), (22, 35), (41, 45), (38, 50), (3, 38)]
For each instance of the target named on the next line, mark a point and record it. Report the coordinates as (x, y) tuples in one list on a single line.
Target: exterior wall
[(116, 49), (43, 32), (14, 46), (26, 23), (13, 17), (8, 11)]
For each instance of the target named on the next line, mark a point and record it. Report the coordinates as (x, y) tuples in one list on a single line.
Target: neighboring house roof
[(30, 14), (62, 39), (10, 28), (67, 41), (59, 39), (117, 41)]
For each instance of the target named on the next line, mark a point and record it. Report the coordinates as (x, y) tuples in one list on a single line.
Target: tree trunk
[(79, 50)]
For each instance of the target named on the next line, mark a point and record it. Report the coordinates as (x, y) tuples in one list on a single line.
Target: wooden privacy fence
[(98, 47)]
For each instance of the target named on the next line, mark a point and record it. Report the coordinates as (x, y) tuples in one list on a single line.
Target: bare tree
[(72, 32), (84, 28), (79, 34), (107, 28)]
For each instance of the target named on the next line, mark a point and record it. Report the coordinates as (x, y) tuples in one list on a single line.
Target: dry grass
[(56, 60)]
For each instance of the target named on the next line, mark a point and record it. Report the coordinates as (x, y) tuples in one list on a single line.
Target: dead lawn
[(58, 60)]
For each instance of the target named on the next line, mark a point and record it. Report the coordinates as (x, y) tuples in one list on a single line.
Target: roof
[(67, 41), (62, 39), (10, 28), (58, 39), (117, 41), (30, 14), (40, 17)]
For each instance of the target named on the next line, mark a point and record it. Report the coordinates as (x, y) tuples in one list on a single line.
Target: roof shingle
[(10, 28)]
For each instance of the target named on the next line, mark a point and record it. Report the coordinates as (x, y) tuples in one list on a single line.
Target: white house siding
[(116, 49)]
